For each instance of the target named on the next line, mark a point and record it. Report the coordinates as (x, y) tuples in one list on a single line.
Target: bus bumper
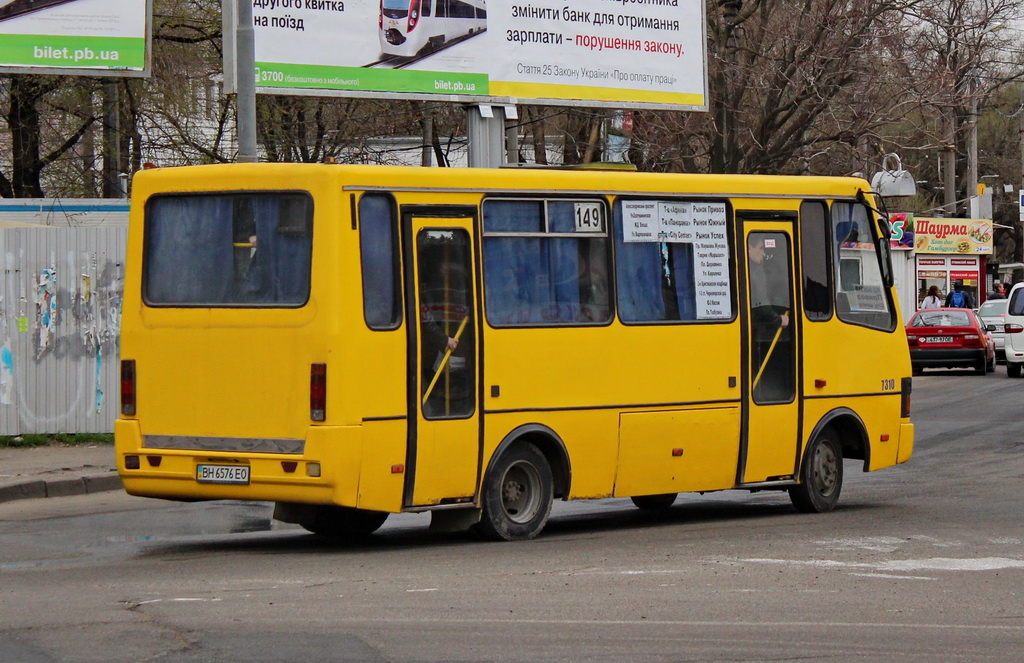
[(906, 448), (326, 472)]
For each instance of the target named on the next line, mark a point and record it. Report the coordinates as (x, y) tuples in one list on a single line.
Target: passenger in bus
[(593, 291), (452, 392), (256, 284), (772, 344)]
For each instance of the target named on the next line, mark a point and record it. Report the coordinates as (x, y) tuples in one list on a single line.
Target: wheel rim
[(825, 468), (520, 492)]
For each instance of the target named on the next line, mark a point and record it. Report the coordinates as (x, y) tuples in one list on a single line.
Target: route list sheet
[(700, 224)]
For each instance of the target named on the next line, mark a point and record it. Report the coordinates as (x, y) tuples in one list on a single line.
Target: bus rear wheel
[(341, 522), (517, 495), (654, 502), (821, 477)]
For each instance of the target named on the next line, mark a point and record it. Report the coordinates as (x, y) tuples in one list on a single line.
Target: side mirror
[(990, 328)]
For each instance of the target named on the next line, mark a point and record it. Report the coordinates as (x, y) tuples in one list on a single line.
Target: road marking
[(214, 600), (680, 623), (933, 564)]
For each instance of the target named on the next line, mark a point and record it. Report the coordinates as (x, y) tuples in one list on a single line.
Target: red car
[(950, 338)]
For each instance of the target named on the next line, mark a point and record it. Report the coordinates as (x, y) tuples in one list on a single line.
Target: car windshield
[(993, 308), (941, 319)]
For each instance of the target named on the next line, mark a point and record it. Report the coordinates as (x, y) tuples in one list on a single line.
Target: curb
[(36, 488)]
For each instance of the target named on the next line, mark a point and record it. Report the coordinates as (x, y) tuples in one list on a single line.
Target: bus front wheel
[(517, 495), (340, 522), (821, 475)]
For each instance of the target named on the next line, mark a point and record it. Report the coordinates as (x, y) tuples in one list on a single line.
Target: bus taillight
[(318, 392), (128, 387), (380, 16)]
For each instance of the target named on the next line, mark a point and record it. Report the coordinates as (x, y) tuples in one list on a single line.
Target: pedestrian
[(997, 291), (933, 299), (958, 297)]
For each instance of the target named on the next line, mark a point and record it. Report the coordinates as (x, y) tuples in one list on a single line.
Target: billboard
[(614, 53), (86, 37), (952, 236)]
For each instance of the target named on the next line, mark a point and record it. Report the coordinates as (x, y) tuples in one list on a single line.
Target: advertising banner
[(953, 236), (902, 237), (90, 37), (616, 53)]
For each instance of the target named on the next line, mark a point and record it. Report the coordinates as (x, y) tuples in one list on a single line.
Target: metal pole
[(949, 165), (972, 145), (486, 136), (111, 139), (245, 76)]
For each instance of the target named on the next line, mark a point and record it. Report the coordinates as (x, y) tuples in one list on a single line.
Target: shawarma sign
[(952, 236)]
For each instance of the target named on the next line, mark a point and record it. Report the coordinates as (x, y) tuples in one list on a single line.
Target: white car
[(1013, 331), (993, 312)]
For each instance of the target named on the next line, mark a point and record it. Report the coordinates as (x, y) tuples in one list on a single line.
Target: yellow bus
[(353, 341)]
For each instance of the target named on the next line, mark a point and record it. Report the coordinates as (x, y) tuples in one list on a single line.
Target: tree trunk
[(23, 119)]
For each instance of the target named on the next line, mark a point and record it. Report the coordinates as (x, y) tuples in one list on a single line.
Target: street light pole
[(972, 142), (949, 165), (245, 82)]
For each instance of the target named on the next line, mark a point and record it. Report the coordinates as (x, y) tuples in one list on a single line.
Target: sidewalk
[(56, 471)]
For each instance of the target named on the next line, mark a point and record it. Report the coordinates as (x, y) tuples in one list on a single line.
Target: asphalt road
[(922, 562)]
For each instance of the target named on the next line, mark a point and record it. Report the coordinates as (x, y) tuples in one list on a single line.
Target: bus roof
[(249, 176)]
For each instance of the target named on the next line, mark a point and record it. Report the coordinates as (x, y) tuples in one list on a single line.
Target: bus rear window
[(230, 250)]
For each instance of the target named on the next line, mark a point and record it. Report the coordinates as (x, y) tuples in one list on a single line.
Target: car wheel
[(982, 366), (1012, 370), (654, 502), (916, 370), (821, 475), (517, 495)]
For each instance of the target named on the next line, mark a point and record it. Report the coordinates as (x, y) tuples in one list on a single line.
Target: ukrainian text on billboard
[(615, 51)]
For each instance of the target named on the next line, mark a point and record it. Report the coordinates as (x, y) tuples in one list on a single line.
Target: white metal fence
[(60, 316)]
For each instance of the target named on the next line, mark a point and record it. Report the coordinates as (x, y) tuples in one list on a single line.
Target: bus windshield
[(246, 250)]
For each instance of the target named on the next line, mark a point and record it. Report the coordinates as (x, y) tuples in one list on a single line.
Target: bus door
[(442, 458), (771, 345)]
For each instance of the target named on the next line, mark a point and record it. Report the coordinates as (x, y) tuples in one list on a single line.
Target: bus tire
[(516, 496), (341, 522), (654, 502), (821, 477)]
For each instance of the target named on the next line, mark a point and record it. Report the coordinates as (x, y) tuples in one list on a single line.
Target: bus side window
[(545, 263), (817, 281), (656, 280), (378, 244)]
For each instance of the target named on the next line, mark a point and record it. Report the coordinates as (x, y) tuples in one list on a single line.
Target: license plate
[(238, 474), (940, 339)]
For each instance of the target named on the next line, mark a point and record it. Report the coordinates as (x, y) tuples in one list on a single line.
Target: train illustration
[(15, 8), (413, 27)]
